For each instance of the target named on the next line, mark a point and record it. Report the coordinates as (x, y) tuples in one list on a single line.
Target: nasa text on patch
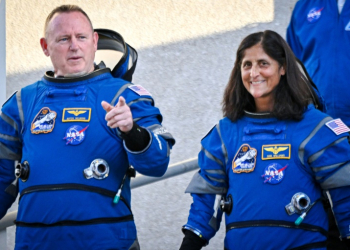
[(44, 121), (138, 89), (75, 135), (276, 151), (76, 115), (274, 173), (245, 159), (314, 14)]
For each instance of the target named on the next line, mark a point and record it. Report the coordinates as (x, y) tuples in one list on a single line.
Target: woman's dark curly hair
[(291, 96)]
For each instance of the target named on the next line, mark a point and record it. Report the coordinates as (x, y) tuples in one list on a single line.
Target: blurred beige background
[(143, 23), (186, 52)]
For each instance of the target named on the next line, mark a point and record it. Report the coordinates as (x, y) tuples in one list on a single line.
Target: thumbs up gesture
[(118, 116)]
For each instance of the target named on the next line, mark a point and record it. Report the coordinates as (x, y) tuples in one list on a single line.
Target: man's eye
[(63, 39)]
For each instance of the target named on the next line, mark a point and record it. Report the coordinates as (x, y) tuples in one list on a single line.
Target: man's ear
[(43, 44), (95, 37)]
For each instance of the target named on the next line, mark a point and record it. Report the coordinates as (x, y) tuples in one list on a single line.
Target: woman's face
[(260, 75)]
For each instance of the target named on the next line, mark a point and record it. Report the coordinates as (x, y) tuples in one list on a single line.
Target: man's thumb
[(106, 106)]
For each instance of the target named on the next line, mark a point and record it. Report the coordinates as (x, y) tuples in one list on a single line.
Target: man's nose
[(73, 44)]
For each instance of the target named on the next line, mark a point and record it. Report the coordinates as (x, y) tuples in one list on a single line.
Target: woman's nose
[(254, 71)]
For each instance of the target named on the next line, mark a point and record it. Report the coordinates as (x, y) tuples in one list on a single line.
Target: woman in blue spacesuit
[(269, 161)]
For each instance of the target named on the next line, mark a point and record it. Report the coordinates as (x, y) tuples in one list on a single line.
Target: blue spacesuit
[(319, 36), (274, 172), (76, 162)]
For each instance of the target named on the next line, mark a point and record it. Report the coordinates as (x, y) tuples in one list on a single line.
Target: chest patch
[(276, 151), (44, 121), (76, 115), (245, 159), (75, 135), (274, 173), (314, 14)]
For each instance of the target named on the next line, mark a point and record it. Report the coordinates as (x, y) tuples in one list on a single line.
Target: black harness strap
[(72, 186), (77, 223), (275, 223)]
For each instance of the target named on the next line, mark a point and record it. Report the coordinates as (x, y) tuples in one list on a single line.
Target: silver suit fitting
[(299, 203), (99, 169)]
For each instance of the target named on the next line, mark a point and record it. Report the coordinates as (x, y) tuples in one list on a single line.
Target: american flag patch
[(138, 89), (337, 126)]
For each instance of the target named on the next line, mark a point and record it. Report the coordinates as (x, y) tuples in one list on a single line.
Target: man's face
[(71, 44)]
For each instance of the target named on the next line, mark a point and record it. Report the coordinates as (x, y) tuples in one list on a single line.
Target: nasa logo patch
[(75, 135), (44, 121), (274, 173), (314, 14), (245, 159)]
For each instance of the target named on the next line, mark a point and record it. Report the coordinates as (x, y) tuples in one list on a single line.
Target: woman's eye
[(246, 65)]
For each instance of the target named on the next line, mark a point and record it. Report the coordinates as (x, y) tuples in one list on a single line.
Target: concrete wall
[(2, 52), (186, 52)]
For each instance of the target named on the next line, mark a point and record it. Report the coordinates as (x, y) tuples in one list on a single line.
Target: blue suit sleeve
[(340, 199), (291, 35), (10, 150), (207, 187), (328, 156), (154, 159)]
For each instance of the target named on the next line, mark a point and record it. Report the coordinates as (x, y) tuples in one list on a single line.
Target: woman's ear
[(282, 70)]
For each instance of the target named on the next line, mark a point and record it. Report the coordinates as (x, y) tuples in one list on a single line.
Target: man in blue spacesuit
[(77, 134)]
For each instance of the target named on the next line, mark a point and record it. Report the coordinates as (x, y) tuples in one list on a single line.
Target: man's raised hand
[(118, 116)]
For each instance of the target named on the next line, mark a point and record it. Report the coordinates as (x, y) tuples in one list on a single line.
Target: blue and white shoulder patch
[(245, 159)]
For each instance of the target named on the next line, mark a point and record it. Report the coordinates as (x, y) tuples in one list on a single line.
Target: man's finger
[(121, 102), (106, 106)]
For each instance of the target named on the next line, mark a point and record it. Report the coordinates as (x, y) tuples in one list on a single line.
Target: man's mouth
[(74, 58)]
